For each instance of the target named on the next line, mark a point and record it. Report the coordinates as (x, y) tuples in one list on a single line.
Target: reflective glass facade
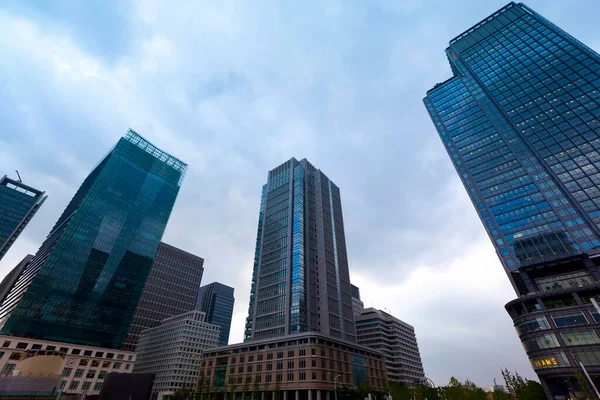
[(300, 279), (520, 120), (216, 301), (84, 284), (171, 289), (18, 204)]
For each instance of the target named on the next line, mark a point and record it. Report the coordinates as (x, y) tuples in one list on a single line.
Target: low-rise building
[(82, 369), (305, 366), (172, 352), (396, 340)]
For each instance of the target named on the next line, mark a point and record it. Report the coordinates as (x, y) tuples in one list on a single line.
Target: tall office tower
[(18, 204), (357, 304), (520, 120), (300, 281), (11, 278), (85, 281), (216, 301), (171, 289), (396, 340)]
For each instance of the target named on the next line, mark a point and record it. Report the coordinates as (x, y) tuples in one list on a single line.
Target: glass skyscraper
[(216, 301), (520, 120), (171, 289), (85, 281), (300, 280), (18, 204)]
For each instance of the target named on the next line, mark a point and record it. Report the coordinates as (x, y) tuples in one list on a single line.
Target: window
[(290, 364), (105, 364), (102, 374), (127, 366), (110, 355), (290, 376), (87, 353), (95, 363), (532, 325), (302, 352), (83, 362), (76, 352), (117, 365), (63, 384), (119, 357), (570, 319), (7, 370), (79, 373), (86, 385), (74, 385), (21, 345), (67, 372), (580, 338), (99, 354), (541, 342), (97, 386), (91, 374), (313, 351), (6, 343), (36, 347), (302, 376), (15, 355), (290, 353), (302, 363), (279, 365), (588, 357)]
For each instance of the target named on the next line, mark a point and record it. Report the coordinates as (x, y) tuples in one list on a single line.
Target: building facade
[(82, 370), (520, 120), (85, 281), (300, 280), (172, 351), (18, 204), (303, 366), (11, 278), (171, 289), (397, 342), (216, 301), (357, 304)]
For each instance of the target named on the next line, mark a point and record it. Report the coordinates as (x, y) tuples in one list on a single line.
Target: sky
[(235, 88)]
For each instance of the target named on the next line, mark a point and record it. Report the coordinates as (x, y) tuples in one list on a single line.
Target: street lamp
[(334, 384)]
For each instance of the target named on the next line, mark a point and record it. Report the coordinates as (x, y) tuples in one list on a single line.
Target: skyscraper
[(357, 304), (300, 280), (85, 281), (18, 204), (520, 120), (216, 301), (171, 289)]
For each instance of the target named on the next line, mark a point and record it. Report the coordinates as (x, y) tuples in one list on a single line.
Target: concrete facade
[(396, 340), (82, 369), (172, 352)]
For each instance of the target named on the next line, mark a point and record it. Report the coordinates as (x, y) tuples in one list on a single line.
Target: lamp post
[(334, 384)]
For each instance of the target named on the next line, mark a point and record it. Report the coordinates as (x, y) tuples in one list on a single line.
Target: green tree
[(246, 387), (535, 391), (183, 394), (232, 391), (278, 389), (255, 388)]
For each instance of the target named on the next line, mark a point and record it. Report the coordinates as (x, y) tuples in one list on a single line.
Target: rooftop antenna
[(19, 175)]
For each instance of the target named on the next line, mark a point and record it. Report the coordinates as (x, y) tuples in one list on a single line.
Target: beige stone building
[(305, 365), (81, 370)]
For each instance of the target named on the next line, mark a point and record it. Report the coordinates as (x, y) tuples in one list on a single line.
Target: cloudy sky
[(234, 88)]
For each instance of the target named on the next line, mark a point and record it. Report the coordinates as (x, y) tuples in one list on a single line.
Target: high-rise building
[(172, 351), (18, 204), (11, 278), (520, 120), (216, 301), (357, 304), (171, 289), (85, 281), (396, 340), (300, 280)]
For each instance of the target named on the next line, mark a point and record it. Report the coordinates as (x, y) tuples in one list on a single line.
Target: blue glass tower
[(520, 120), (84, 283), (18, 204), (216, 301), (300, 280)]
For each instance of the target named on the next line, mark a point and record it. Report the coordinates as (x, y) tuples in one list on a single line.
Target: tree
[(535, 391), (515, 384), (183, 394), (232, 391), (246, 387), (255, 387), (278, 389)]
